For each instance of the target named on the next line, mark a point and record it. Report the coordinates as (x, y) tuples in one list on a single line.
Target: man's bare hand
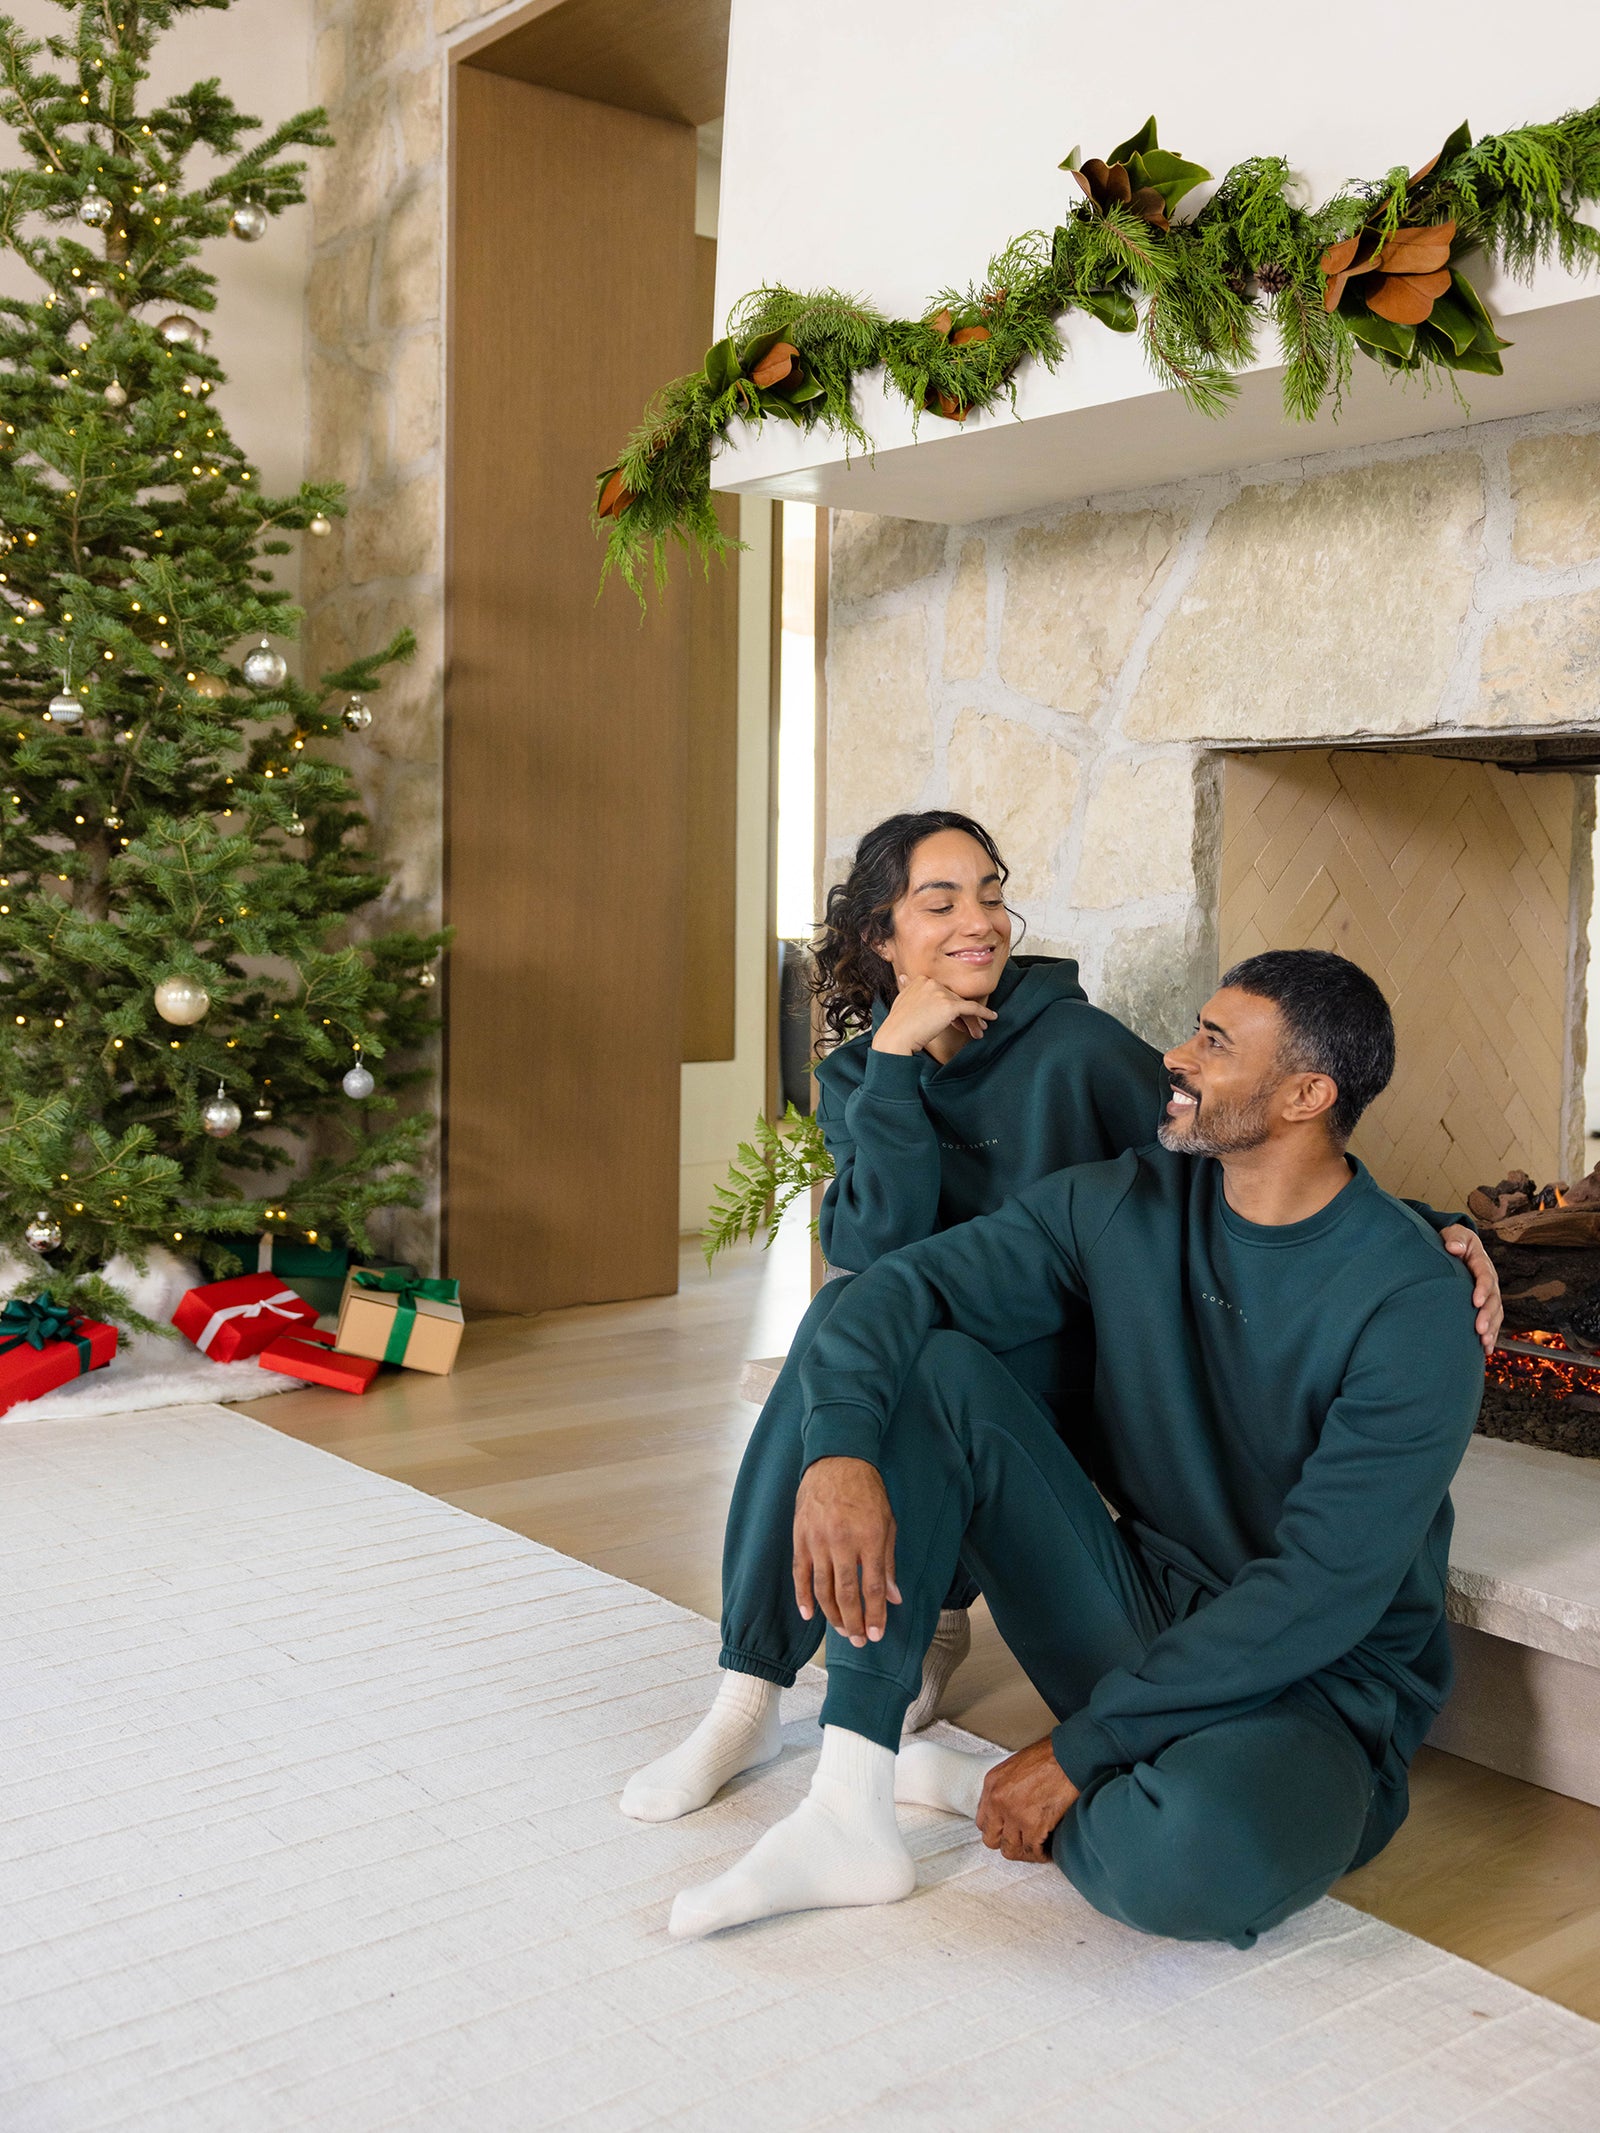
[(1024, 1800), (1467, 1246), (844, 1548)]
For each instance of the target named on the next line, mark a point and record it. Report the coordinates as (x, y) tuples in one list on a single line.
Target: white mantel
[(891, 150)]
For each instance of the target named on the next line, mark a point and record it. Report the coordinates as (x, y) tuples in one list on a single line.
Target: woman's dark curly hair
[(847, 972)]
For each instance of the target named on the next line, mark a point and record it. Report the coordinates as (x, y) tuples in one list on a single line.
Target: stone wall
[(1069, 679)]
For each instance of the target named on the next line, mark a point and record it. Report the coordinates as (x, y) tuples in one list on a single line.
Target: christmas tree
[(189, 1029)]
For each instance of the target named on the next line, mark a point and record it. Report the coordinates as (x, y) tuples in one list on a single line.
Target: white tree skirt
[(310, 1824), (148, 1369)]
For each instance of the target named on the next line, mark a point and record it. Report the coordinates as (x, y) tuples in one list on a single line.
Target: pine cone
[(1272, 281), (1238, 283)]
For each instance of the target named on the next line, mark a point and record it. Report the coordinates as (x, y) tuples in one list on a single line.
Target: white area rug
[(309, 1823)]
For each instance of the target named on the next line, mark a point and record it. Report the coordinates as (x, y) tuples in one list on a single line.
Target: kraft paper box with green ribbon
[(392, 1315)]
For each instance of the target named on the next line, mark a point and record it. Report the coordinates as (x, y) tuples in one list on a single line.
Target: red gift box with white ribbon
[(232, 1320)]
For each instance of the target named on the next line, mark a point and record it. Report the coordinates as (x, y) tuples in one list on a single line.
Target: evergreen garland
[(1375, 270), (185, 823)]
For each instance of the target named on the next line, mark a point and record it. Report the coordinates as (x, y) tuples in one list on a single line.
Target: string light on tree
[(181, 1000), (265, 668)]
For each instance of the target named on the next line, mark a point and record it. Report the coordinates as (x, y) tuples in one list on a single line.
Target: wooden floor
[(613, 1433)]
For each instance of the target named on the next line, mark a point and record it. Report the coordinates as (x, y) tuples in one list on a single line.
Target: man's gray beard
[(1228, 1129)]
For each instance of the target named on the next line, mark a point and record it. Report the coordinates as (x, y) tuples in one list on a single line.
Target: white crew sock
[(952, 1641), (842, 1845), (926, 1775), (740, 1731)]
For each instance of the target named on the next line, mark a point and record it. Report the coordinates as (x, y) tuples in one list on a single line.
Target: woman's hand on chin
[(924, 1011)]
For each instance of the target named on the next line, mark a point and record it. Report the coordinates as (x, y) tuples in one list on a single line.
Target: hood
[(1028, 985)]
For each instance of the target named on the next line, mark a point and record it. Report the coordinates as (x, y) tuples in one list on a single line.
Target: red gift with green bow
[(44, 1344)]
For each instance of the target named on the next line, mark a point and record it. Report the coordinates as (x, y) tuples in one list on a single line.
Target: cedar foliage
[(170, 833), (1199, 292)]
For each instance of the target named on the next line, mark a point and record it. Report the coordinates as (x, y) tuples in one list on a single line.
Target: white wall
[(261, 50)]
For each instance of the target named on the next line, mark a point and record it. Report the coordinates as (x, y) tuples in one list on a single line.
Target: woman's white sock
[(740, 1731), (927, 1775), (952, 1641), (841, 1846)]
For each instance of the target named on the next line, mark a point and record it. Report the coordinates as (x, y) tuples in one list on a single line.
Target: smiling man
[(1245, 1652)]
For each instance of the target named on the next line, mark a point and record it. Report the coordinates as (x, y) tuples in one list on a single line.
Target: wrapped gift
[(232, 1320), (394, 1317), (314, 1271), (312, 1355), (44, 1344)]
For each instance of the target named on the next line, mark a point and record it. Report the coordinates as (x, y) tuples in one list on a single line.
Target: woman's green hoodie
[(918, 1147)]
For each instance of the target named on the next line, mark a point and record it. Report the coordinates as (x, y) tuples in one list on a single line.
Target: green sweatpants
[(762, 1629), (1224, 1833)]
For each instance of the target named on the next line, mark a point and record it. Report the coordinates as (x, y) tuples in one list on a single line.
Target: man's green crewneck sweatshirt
[(1278, 1413)]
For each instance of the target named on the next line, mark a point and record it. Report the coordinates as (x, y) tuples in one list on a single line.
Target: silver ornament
[(44, 1231), (182, 1000), (320, 526), (222, 1115), (427, 979), (356, 715), (261, 1111), (8, 541), (358, 1083), (65, 708), (248, 221), (178, 330), (116, 394), (264, 668), (296, 827), (94, 210), (113, 822)]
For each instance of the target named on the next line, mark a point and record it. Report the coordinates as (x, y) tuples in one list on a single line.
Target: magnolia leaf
[(722, 366), (1112, 307), (1171, 176), (1486, 361), (1486, 338), (1455, 322), (808, 389), (1382, 333), (1137, 144), (751, 352), (1070, 160)]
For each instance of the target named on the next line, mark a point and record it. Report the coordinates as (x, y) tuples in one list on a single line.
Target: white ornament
[(178, 330), (222, 1115), (116, 394), (358, 1082), (44, 1231), (320, 526), (65, 708), (248, 221), (356, 715), (94, 210), (264, 668), (182, 1000)]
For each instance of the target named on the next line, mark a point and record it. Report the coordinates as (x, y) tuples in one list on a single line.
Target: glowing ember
[(1531, 1374)]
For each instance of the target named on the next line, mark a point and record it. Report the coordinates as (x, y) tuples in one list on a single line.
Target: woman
[(959, 1074)]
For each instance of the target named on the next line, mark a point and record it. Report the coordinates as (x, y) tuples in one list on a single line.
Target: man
[(1244, 1660)]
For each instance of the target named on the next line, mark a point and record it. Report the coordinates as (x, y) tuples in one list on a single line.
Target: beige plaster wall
[(1068, 678)]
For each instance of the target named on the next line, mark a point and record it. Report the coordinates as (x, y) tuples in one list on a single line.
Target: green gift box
[(314, 1271)]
